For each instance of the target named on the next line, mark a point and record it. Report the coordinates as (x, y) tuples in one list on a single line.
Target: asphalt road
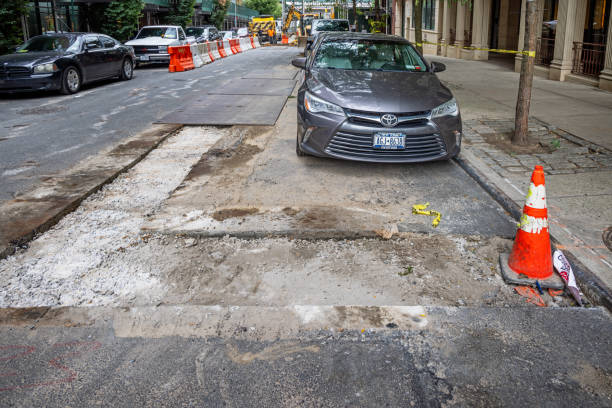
[(44, 133)]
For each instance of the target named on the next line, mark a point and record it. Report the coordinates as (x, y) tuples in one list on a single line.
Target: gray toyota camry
[(372, 97)]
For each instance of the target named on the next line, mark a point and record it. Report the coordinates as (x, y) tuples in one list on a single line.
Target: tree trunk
[(521, 119), (418, 24), (355, 14)]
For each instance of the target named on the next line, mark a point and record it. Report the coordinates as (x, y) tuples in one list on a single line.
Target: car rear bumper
[(327, 135), (42, 82)]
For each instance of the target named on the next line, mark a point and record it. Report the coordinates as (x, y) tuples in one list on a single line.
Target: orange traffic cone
[(531, 258)]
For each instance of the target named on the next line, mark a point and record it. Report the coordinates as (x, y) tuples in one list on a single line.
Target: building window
[(429, 15)]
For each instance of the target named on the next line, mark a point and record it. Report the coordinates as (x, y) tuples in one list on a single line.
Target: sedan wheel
[(71, 81), (298, 149), (127, 70)]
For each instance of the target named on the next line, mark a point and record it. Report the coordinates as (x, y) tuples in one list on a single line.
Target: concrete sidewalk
[(573, 124)]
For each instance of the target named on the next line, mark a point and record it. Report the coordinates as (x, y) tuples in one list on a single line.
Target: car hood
[(152, 41), (378, 91), (28, 59)]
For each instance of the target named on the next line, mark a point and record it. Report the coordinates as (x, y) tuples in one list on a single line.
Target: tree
[(121, 18), (219, 11), (10, 28), (269, 7), (523, 102), (181, 12)]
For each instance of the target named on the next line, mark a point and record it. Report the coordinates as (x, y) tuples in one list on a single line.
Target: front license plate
[(389, 141), (144, 57)]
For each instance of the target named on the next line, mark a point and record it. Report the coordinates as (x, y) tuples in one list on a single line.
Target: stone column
[(581, 10), (480, 28), (605, 78), (460, 30), (561, 64), (502, 37), (446, 28), (518, 59)]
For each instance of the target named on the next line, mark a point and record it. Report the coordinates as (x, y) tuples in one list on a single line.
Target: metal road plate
[(228, 110), (253, 86)]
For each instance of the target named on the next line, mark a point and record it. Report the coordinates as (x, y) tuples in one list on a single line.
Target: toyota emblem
[(388, 120)]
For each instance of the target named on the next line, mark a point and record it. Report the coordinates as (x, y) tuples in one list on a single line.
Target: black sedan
[(64, 62)]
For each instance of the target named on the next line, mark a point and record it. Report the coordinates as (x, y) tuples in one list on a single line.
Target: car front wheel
[(298, 149), (71, 81), (127, 70)]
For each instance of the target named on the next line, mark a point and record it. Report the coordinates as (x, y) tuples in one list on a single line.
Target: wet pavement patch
[(226, 213), (41, 110)]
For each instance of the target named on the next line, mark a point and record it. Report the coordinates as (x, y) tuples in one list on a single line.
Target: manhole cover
[(607, 237)]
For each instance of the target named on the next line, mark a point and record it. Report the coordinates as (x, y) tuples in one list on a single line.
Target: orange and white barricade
[(195, 55), (221, 48), (204, 53), (213, 50), (180, 58), (245, 43)]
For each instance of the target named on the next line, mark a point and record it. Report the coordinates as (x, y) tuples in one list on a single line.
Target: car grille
[(372, 119), (14, 72), (359, 146), (144, 49)]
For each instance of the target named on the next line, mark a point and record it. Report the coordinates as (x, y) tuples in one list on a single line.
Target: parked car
[(203, 34), (241, 32), (152, 42), (372, 97), (64, 62), (321, 25), (226, 35)]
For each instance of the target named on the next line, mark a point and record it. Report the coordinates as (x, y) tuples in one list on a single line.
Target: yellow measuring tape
[(528, 53), (420, 209)]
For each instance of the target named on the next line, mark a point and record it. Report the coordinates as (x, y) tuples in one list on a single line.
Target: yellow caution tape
[(420, 209), (528, 53)]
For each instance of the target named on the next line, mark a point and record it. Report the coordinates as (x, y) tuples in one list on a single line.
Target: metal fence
[(545, 51), (588, 58)]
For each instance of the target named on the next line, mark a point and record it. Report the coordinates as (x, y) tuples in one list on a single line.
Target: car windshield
[(194, 31), (46, 43), (163, 32), (331, 25), (369, 55)]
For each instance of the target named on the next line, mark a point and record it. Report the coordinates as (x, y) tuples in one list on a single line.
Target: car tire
[(298, 149), (71, 80), (127, 70)]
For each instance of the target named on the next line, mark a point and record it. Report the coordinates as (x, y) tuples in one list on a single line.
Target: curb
[(47, 221), (590, 284)]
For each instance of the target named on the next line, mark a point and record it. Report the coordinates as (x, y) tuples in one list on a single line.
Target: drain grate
[(607, 237)]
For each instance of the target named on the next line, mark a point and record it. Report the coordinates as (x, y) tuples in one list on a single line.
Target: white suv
[(152, 42)]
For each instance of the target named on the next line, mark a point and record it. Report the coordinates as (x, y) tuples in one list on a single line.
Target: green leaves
[(10, 28), (121, 18), (180, 13), (218, 13), (269, 7)]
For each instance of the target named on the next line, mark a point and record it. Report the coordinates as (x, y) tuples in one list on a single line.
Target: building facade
[(574, 37), (87, 15)]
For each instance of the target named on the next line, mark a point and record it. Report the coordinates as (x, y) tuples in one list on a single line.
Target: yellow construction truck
[(262, 27)]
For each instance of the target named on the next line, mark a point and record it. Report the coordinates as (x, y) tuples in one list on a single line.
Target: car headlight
[(318, 105), (45, 68), (449, 108), (163, 48)]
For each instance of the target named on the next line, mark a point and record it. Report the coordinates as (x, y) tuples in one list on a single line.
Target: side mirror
[(437, 66), (299, 62)]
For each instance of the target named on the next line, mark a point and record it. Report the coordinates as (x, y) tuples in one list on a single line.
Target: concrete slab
[(228, 110), (308, 197), (255, 86)]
